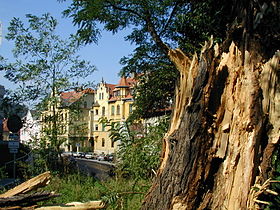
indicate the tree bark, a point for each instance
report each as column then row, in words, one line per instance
column 224, row 128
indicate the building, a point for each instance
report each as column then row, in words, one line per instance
column 114, row 103
column 72, row 117
column 79, row 114
column 30, row 132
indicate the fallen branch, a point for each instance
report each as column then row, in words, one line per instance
column 26, row 199
column 76, row 206
column 32, row 184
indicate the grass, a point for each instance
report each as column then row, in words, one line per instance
column 117, row 193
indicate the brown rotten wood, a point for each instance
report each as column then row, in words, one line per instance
column 225, row 125
column 31, row 184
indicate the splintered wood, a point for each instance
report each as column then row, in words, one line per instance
column 34, row 183
column 183, row 92
column 18, row 197
column 91, row 205
column 225, row 125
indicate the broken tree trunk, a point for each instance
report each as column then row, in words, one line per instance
column 225, row 125
column 32, row 184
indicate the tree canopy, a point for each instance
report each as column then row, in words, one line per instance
column 43, row 61
column 160, row 25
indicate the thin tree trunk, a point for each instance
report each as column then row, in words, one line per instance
column 225, row 125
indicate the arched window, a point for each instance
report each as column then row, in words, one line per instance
column 112, row 143
column 103, row 111
column 113, row 110
column 103, row 142
column 118, row 110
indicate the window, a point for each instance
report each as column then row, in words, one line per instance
column 112, row 143
column 118, row 110
column 96, row 112
column 99, row 96
column 113, row 110
column 130, row 108
column 103, row 111
column 103, row 142
column 96, row 127
column 103, row 127
column 102, row 96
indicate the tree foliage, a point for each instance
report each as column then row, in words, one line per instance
column 151, row 20
column 139, row 148
column 44, row 65
column 160, row 25
column 163, row 25
column 43, row 61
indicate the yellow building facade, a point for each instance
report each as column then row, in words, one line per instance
column 115, row 103
column 72, row 111
column 79, row 114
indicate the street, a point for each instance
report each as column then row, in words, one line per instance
column 101, row 170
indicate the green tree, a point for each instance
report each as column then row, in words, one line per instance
column 44, row 66
column 146, row 18
column 139, row 147
column 156, row 77
column 156, row 27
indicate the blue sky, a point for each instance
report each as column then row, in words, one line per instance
column 105, row 56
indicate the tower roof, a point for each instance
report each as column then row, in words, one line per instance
column 123, row 83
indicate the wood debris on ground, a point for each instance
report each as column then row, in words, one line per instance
column 21, row 197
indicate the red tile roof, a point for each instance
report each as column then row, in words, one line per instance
column 123, row 83
column 126, row 82
column 71, row 96
column 129, row 96
column 88, row 90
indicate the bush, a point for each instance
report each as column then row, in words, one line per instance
column 138, row 156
